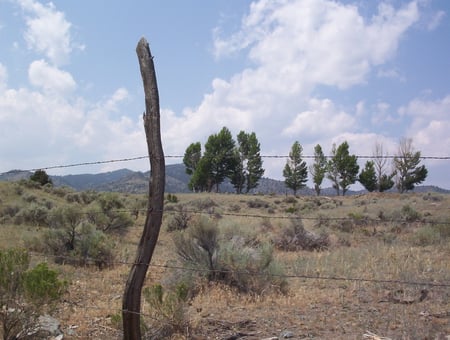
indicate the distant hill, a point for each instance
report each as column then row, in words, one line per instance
column 128, row 181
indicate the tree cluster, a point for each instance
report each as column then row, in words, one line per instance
column 224, row 158
column 342, row 169
column 241, row 163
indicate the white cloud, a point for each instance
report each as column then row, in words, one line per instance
column 3, row 77
column 318, row 41
column 391, row 74
column 50, row 78
column 48, row 31
column 436, row 20
column 321, row 119
column 430, row 125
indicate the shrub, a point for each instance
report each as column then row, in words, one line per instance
column 171, row 198
column 290, row 200
column 24, row 293
column 94, row 246
column 198, row 246
column 426, row 236
column 73, row 197
column 41, row 285
column 204, row 204
column 409, row 214
column 104, row 214
column 257, row 203
column 234, row 261
column 33, row 214
column 295, row 237
column 180, row 220
column 167, row 310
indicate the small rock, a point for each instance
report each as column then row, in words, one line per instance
column 286, row 335
column 49, row 324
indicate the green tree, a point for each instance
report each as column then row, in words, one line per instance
column 318, row 169
column 200, row 180
column 368, row 177
column 332, row 170
column 406, row 164
column 295, row 172
column 192, row 157
column 248, row 170
column 41, row 177
column 343, row 168
column 220, row 156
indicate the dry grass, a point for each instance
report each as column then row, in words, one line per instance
column 321, row 307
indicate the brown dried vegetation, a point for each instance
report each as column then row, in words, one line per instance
column 382, row 252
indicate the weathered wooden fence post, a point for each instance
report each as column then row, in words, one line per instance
column 131, row 304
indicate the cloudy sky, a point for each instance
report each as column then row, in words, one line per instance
column 313, row 71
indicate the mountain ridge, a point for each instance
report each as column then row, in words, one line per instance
column 129, row 181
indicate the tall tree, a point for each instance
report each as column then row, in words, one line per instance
column 368, row 177
column 343, row 168
column 318, row 169
column 295, row 172
column 192, row 157
column 248, row 170
column 380, row 161
column 200, row 180
column 220, row 155
column 41, row 177
column 332, row 170
column 406, row 163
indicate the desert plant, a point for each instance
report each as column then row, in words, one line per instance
column 295, row 237
column 409, row 214
column 180, row 220
column 234, row 260
column 23, row 293
column 94, row 246
column 34, row 214
column 167, row 310
column 172, row 198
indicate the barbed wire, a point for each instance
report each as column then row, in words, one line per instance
column 129, row 159
column 432, row 283
column 293, row 216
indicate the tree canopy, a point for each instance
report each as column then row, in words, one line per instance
column 295, row 171
column 343, row 168
column 408, row 171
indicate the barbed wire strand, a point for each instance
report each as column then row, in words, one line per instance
column 129, row 159
column 285, row 276
column 213, row 212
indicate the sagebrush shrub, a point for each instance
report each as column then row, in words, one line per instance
column 236, row 261
column 295, row 237
column 179, row 220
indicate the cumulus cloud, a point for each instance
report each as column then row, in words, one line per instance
column 48, row 31
column 321, row 119
column 429, row 124
column 3, row 77
column 50, row 78
column 318, row 41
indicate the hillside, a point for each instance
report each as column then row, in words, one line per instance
column 128, row 181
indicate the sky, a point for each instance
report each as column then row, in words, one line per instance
column 313, row 71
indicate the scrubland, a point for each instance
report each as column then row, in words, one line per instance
column 243, row 266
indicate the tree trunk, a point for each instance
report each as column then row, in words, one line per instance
column 131, row 304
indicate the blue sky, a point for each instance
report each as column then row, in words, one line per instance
column 313, row 71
